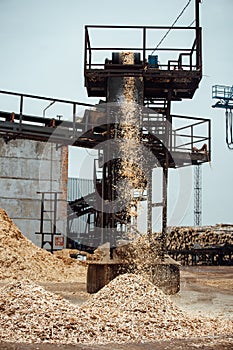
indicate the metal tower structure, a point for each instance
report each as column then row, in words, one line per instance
column 173, row 140
column 197, row 195
column 158, row 83
column 150, row 82
column 224, row 94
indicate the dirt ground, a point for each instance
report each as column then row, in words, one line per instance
column 205, row 290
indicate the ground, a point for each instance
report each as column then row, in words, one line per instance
column 204, row 290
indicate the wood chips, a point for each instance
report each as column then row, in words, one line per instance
column 20, row 259
column 131, row 171
column 128, row 309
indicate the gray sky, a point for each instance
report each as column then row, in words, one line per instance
column 42, row 53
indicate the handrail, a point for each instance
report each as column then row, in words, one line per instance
column 137, row 49
column 135, row 27
column 194, row 139
column 52, row 100
column 189, row 117
column 195, row 48
column 37, row 97
column 196, row 131
column 200, row 139
column 187, row 126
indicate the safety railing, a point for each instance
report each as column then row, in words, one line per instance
column 193, row 137
column 222, row 92
column 186, row 138
column 183, row 133
column 187, row 58
column 39, row 118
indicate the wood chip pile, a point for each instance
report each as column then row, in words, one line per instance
column 20, row 259
column 186, row 237
column 31, row 314
column 128, row 309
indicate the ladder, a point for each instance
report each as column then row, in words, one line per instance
column 52, row 219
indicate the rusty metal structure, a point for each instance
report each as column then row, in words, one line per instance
column 172, row 74
column 160, row 84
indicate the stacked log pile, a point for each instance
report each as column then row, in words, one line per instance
column 180, row 238
column 129, row 309
column 206, row 245
column 20, row 259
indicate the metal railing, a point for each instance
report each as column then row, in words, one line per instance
column 193, row 53
column 222, row 92
column 182, row 139
column 191, row 136
column 194, row 132
column 52, row 100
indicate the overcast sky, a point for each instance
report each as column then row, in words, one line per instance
column 42, row 53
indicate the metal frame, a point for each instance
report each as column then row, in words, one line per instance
column 224, row 94
column 82, row 134
column 184, row 77
column 197, row 195
column 170, row 81
column 195, row 49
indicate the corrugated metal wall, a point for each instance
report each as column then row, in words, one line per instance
column 78, row 188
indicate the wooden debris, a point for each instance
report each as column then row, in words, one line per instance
column 20, row 259
column 132, row 162
column 128, row 309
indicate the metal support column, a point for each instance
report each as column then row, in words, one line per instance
column 165, row 174
column 197, row 195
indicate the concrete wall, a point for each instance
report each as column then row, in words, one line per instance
column 25, row 168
